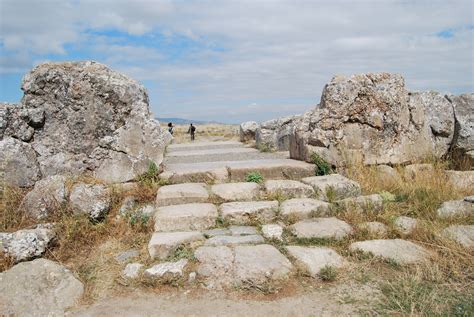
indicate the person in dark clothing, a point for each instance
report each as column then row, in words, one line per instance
column 192, row 130
column 170, row 128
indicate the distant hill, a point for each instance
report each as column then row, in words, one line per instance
column 184, row 121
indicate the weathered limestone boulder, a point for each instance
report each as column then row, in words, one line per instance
column 83, row 116
column 333, row 187
column 19, row 165
column 463, row 141
column 362, row 204
column 373, row 228
column 38, row 288
column 461, row 180
column 388, row 174
column 27, row 244
column 373, row 119
column 398, row 250
column 247, row 131
column 90, row 199
column 47, row 195
column 275, row 134
column 456, row 208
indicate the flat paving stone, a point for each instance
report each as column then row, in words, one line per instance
column 181, row 194
column 245, row 191
column 242, row 230
column 234, row 240
column 186, row 217
column 288, row 188
column 362, row 204
column 398, row 250
column 462, row 234
column 335, row 185
column 215, row 265
column 405, row 224
column 241, row 213
column 312, row 259
column 203, row 146
column 207, row 152
column 456, row 208
column 164, row 244
column 325, row 228
column 303, row 208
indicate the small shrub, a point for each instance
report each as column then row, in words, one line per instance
column 388, row 196
column 254, row 177
column 328, row 273
column 151, row 175
column 331, row 194
column 322, row 166
column 264, row 148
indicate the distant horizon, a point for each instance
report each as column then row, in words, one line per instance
column 235, row 61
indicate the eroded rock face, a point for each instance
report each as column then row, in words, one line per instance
column 247, row 131
column 83, row 116
column 373, row 119
column 275, row 134
column 18, row 163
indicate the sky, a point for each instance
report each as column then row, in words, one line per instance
column 237, row 60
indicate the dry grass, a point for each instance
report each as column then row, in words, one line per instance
column 208, row 132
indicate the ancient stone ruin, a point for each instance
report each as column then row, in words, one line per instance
column 374, row 119
column 79, row 117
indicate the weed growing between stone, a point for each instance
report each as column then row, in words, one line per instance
column 322, row 166
column 254, row 177
column 328, row 273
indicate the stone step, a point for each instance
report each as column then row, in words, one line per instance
column 248, row 266
column 234, row 240
column 203, row 146
column 207, row 152
column 181, row 194
column 323, row 228
column 238, row 154
column 164, row 244
column 242, row 213
column 225, row 171
column 310, row 260
column 185, row 217
column 333, row 187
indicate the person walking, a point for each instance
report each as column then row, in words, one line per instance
column 192, row 130
column 170, row 128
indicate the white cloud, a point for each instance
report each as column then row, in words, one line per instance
column 278, row 53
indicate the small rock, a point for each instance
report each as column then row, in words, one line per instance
column 27, row 244
column 405, row 224
column 272, row 231
column 187, row 217
column 216, row 232
column 463, row 235
column 241, row 213
column 234, row 240
column 179, row 194
column 236, row 191
column 469, row 199
column 374, row 227
column 334, row 187
column 303, row 208
column 288, row 188
column 93, row 200
column 167, row 271
column 242, row 230
column 455, row 208
column 192, row 277
column 312, row 259
column 362, row 203
column 163, row 244
column 398, row 250
column 132, row 270
column 40, row 287
column 123, row 257
column 325, row 228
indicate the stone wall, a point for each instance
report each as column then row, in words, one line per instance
column 78, row 117
column 374, row 119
